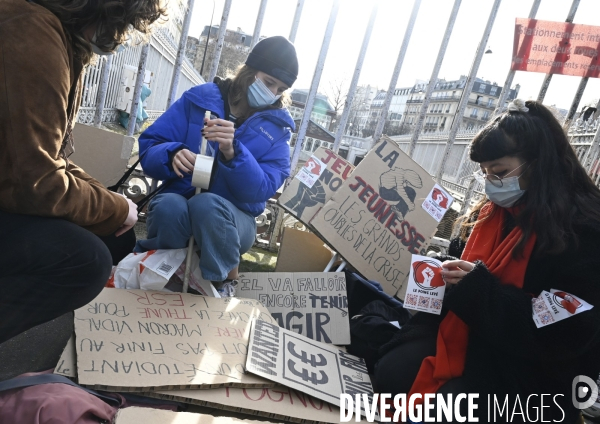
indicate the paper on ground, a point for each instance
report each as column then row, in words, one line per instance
column 555, row 306
column 135, row 339
column 426, row 288
column 305, row 365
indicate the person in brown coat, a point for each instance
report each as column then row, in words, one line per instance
column 51, row 211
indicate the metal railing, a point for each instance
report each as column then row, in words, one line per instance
column 161, row 59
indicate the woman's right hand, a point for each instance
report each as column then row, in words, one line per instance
column 131, row 219
column 183, row 162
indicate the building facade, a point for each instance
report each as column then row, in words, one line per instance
column 445, row 99
column 322, row 114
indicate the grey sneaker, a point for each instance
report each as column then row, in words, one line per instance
column 226, row 288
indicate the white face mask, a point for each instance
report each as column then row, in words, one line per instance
column 504, row 192
column 260, row 96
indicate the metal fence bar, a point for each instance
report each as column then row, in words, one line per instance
column 575, row 102
column 259, row 21
column 352, row 89
column 180, row 54
column 390, row 93
column 137, row 92
column 467, row 89
column 434, row 77
column 296, row 20
column 511, row 73
column 310, row 100
column 101, row 98
column 548, row 77
column 220, row 39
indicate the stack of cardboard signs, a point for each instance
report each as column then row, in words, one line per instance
column 376, row 216
column 195, row 349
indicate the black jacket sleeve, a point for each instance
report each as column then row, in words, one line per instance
column 501, row 314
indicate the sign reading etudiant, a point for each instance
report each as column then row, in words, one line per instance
column 136, row 339
column 376, row 220
column 313, row 304
column 310, row 367
column 556, row 48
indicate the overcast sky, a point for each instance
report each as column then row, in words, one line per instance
column 425, row 42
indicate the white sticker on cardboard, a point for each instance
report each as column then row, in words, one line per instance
column 557, row 305
column 311, row 171
column 426, row 288
column 437, row 202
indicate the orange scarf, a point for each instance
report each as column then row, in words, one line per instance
column 487, row 245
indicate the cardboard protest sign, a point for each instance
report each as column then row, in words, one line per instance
column 67, row 364
column 280, row 403
column 302, row 251
column 555, row 306
column 375, row 220
column 136, row 339
column 311, row 367
column 315, row 183
column 437, row 202
column 313, row 304
column 426, row 288
column 135, row 415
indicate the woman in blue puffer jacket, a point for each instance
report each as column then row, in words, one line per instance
column 249, row 139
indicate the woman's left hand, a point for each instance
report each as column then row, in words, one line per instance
column 222, row 132
column 454, row 271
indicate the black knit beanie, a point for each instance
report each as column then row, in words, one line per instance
column 275, row 56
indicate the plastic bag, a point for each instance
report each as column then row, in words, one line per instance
column 147, row 271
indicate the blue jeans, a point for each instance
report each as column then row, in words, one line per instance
column 222, row 231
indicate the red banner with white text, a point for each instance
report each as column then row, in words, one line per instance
column 556, row 48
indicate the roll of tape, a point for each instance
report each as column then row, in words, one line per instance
column 202, row 171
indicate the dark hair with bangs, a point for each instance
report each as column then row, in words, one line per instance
column 560, row 193
column 115, row 19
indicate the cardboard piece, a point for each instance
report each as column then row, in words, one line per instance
column 302, row 251
column 281, row 403
column 303, row 199
column 102, row 154
column 135, row 415
column 375, row 220
column 426, row 287
column 134, row 340
column 314, row 304
column 311, row 367
column 67, row 364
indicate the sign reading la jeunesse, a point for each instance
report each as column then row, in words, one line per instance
column 376, row 220
column 313, row 304
column 314, row 368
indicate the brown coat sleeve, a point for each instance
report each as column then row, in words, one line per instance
column 34, row 90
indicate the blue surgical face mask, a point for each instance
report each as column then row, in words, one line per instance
column 259, row 96
column 505, row 195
